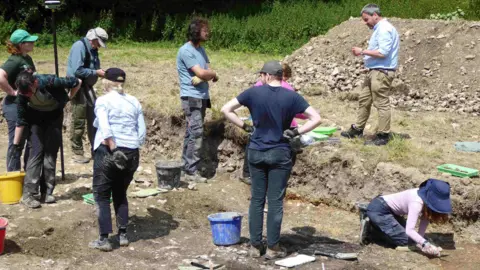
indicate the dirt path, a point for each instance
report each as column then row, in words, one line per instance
column 171, row 229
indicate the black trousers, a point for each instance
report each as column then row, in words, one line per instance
column 45, row 139
column 111, row 181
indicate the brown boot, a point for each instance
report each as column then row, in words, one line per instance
column 77, row 158
column 275, row 252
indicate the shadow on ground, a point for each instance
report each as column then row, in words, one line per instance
column 156, row 224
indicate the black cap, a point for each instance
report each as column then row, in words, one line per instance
column 272, row 68
column 115, row 75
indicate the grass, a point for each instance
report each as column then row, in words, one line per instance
column 433, row 137
column 152, row 78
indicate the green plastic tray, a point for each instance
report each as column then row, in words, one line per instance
column 88, row 198
column 318, row 136
column 457, row 170
column 325, row 130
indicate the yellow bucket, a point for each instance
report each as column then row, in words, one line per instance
column 11, row 187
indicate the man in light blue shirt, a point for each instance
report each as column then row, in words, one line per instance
column 381, row 59
column 194, row 72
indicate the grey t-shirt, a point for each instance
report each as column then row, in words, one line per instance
column 188, row 56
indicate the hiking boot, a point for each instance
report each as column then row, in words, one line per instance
column 122, row 239
column 276, row 252
column 246, row 179
column 353, row 132
column 103, row 245
column 29, row 201
column 77, row 158
column 364, row 230
column 195, row 177
column 380, row 139
column 49, row 199
column 256, row 251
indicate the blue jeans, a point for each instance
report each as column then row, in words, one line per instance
column 246, row 170
column 111, row 181
column 382, row 217
column 269, row 171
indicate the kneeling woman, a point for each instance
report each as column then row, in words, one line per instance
column 431, row 202
column 121, row 132
column 40, row 106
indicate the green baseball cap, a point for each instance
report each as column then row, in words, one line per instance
column 20, row 36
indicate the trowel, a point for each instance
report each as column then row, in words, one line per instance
column 339, row 255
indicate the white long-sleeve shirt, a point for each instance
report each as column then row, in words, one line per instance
column 120, row 117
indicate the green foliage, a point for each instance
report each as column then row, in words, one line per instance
column 6, row 28
column 106, row 20
column 455, row 15
column 474, row 8
column 268, row 26
column 284, row 26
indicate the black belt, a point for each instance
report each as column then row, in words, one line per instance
column 383, row 70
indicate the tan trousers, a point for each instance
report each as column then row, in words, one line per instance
column 376, row 90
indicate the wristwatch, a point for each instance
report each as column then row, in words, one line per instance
column 425, row 243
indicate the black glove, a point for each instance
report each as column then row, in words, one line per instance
column 249, row 129
column 117, row 159
column 289, row 134
column 14, row 150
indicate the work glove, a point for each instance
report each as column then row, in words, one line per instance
column 215, row 79
column 289, row 134
column 249, row 129
column 14, row 150
column 196, row 81
column 117, row 159
column 430, row 249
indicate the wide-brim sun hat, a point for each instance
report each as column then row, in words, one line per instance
column 436, row 195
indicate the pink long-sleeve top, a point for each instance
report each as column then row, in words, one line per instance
column 410, row 204
column 286, row 85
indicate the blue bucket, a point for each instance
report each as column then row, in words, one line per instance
column 226, row 228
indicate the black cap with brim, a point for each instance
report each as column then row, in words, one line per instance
column 272, row 68
column 115, row 75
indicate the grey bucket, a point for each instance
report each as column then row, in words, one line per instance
column 168, row 174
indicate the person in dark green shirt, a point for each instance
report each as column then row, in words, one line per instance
column 40, row 103
column 19, row 45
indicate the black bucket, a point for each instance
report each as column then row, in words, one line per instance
column 168, row 174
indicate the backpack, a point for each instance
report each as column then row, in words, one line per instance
column 86, row 61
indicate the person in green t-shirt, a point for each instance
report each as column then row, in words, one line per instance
column 19, row 45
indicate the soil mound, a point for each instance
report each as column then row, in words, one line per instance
column 438, row 64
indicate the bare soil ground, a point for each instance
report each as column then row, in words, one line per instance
column 326, row 182
column 171, row 229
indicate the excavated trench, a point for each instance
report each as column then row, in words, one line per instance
column 323, row 174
